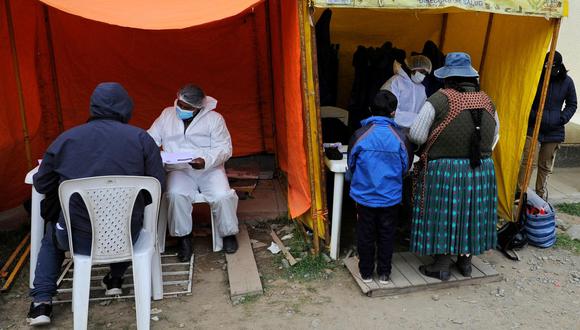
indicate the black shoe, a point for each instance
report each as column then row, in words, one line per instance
column 384, row 279
column 185, row 249
column 230, row 244
column 367, row 279
column 39, row 315
column 439, row 269
column 113, row 285
column 464, row 265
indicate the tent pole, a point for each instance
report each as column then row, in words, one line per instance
column 306, row 114
column 53, row 69
column 16, row 68
column 323, row 215
column 258, row 79
column 443, row 31
column 486, row 43
column 534, row 143
column 269, row 44
column 312, row 120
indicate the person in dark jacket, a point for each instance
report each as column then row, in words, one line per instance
column 559, row 108
column 377, row 162
column 105, row 145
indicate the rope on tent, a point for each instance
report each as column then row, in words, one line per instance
column 16, row 68
column 53, row 70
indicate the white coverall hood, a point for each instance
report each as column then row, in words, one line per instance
column 410, row 96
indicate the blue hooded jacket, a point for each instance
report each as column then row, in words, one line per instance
column 377, row 162
column 105, row 145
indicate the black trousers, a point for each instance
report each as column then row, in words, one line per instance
column 375, row 227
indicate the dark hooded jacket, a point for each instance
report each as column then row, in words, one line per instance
column 105, row 145
column 560, row 105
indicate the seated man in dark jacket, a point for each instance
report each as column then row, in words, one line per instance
column 105, row 145
column 560, row 106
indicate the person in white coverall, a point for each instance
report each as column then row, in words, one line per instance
column 192, row 125
column 407, row 86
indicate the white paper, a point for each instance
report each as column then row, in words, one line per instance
column 274, row 248
column 178, row 157
column 286, row 237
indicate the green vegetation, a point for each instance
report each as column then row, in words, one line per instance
column 565, row 242
column 310, row 268
column 570, row 208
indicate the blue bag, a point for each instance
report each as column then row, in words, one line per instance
column 540, row 226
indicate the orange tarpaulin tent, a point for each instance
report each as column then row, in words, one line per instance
column 245, row 53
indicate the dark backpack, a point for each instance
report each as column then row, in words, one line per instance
column 512, row 236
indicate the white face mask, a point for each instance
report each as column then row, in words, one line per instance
column 417, row 77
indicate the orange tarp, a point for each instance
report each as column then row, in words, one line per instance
column 253, row 71
column 153, row 14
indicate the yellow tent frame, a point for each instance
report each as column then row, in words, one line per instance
column 508, row 47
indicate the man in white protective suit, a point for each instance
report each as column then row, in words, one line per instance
column 192, row 126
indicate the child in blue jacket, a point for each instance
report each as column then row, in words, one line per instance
column 377, row 162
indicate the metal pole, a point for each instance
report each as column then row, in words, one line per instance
column 443, row 31
column 534, row 143
column 16, row 68
column 486, row 44
column 54, row 77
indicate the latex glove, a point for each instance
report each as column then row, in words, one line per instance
column 198, row 163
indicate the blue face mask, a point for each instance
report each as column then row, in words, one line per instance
column 183, row 114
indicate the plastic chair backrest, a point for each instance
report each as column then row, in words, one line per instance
column 109, row 201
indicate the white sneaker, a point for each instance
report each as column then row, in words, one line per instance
column 367, row 279
column 384, row 279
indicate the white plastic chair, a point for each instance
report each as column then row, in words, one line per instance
column 162, row 230
column 109, row 201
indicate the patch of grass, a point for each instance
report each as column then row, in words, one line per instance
column 570, row 208
column 297, row 244
column 247, row 299
column 310, row 268
column 565, row 242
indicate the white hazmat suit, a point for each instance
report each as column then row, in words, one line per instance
column 207, row 136
column 410, row 96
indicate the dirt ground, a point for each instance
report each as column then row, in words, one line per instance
column 542, row 291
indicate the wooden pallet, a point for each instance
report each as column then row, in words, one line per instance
column 405, row 276
column 242, row 269
column 177, row 280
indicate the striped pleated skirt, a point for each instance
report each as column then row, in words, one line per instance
column 457, row 212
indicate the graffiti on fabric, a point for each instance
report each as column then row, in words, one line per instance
column 547, row 8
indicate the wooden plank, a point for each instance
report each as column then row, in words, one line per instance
column 352, row 266
column 283, row 248
column 485, row 268
column 414, row 262
column 242, row 269
column 401, row 285
column 407, row 271
column 435, row 286
column 428, row 259
column 398, row 279
column 475, row 273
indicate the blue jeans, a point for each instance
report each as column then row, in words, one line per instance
column 50, row 258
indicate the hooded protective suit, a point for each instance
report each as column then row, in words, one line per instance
column 411, row 97
column 208, row 137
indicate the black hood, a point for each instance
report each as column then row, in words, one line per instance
column 559, row 71
column 111, row 100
